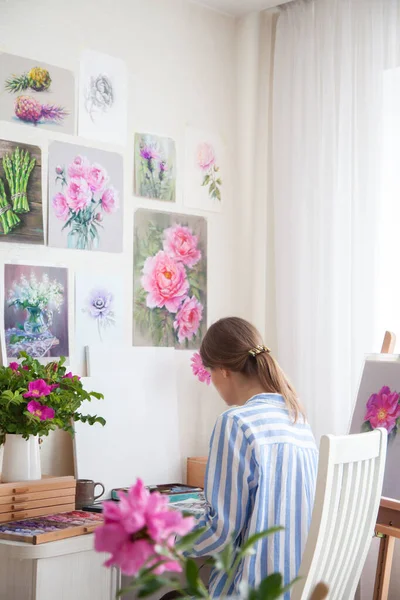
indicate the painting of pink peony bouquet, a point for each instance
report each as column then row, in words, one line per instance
column 85, row 198
column 155, row 167
column 36, row 94
column 170, row 279
column 378, row 405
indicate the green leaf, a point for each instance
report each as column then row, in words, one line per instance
column 271, row 587
column 365, row 427
column 252, row 540
column 187, row 542
column 224, row 560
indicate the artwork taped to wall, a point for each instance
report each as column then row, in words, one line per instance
column 204, row 171
column 85, row 198
column 36, row 94
column 103, row 98
column 170, row 279
column 100, row 311
column 378, row 405
column 155, row 167
column 21, row 214
column 36, row 311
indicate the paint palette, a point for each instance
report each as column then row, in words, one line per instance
column 51, row 527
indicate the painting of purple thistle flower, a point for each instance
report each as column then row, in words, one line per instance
column 155, row 167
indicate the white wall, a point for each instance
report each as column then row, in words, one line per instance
column 181, row 62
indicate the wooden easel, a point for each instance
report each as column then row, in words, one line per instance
column 388, row 521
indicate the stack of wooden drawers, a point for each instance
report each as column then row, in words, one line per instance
column 196, row 471
column 26, row 499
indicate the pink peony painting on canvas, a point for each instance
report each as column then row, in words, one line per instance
column 85, row 198
column 170, row 279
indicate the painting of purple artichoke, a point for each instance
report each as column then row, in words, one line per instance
column 170, row 279
column 100, row 310
column 36, row 94
column 85, row 187
column 155, row 167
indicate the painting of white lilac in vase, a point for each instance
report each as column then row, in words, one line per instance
column 205, row 183
column 170, row 279
column 100, row 311
column 155, row 167
column 85, row 198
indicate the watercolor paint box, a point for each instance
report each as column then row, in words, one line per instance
column 25, row 499
column 50, row 528
column 176, row 492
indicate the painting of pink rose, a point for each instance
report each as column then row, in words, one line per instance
column 383, row 409
column 170, row 279
column 85, row 196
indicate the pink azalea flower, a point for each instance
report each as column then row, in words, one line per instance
column 205, row 156
column 134, row 526
column 181, row 244
column 60, row 206
column 39, row 410
column 165, row 282
column 79, row 195
column 70, row 376
column 383, row 409
column 199, row 370
column 188, row 319
column 78, row 167
column 97, row 178
column 109, row 200
column 37, row 389
column 14, row 366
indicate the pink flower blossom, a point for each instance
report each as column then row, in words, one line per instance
column 78, row 194
column 181, row 244
column 205, row 156
column 97, row 178
column 109, row 200
column 60, row 206
column 37, row 389
column 134, row 526
column 165, row 282
column 14, row 366
column 39, row 410
column 199, row 370
column 188, row 319
column 383, row 409
column 78, row 167
column 70, row 376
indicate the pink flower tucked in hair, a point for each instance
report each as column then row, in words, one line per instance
column 188, row 319
column 134, row 526
column 79, row 195
column 60, row 206
column 165, row 282
column 43, row 412
column 37, row 389
column 14, row 366
column 199, row 370
column 205, row 156
column 109, row 200
column 78, row 167
column 97, row 178
column 383, row 409
column 181, row 244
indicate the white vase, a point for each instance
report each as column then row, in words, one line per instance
column 21, row 459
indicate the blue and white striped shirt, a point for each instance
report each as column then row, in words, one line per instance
column 261, row 472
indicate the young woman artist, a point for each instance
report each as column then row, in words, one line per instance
column 262, row 463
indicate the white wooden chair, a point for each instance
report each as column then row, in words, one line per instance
column 349, row 486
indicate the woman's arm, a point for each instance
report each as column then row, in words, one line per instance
column 231, row 477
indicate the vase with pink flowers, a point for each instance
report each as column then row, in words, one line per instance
column 85, row 199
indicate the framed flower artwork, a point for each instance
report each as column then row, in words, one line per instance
column 378, row 405
column 170, row 279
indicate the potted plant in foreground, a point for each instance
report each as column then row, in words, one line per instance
column 34, row 400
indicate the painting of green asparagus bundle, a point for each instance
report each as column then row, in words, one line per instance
column 21, row 218
column 18, row 167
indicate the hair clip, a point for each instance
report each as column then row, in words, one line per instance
column 259, row 350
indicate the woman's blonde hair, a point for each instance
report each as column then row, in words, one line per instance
column 230, row 344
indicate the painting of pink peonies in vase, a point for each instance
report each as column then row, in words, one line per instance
column 85, row 198
column 378, row 405
column 170, row 279
column 205, row 183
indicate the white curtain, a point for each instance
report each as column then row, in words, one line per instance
column 327, row 124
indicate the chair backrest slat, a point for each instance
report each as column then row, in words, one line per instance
column 349, row 486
